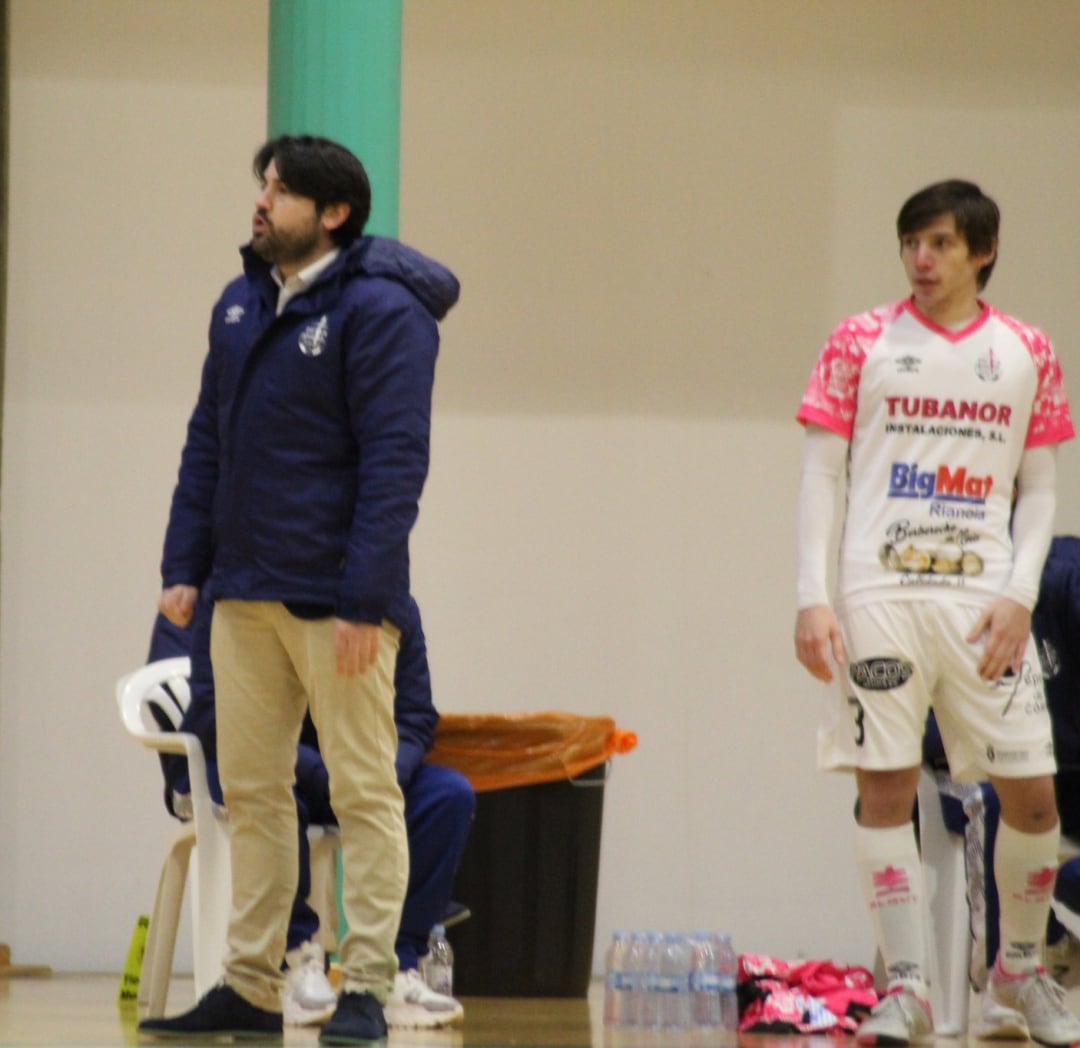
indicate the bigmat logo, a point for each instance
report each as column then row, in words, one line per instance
column 907, row 481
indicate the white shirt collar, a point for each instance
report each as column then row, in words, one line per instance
column 302, row 280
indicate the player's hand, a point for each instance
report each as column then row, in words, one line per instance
column 817, row 637
column 177, row 604
column 356, row 645
column 1004, row 627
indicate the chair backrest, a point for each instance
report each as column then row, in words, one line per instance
column 152, row 701
column 153, row 698
column 168, row 702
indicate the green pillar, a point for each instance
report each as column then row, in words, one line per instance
column 335, row 70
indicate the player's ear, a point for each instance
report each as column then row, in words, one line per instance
column 333, row 215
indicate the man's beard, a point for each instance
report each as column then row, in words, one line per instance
column 281, row 248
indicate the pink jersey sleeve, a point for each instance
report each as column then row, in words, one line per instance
column 833, row 390
column 1051, row 421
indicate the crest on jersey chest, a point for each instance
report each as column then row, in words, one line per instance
column 988, row 366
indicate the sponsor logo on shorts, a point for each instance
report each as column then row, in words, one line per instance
column 997, row 756
column 881, row 673
column 1030, row 678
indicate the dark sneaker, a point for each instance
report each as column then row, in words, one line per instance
column 220, row 1013
column 358, row 1019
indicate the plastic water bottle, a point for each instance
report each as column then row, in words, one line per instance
column 727, row 969
column 618, row 983
column 637, row 965
column 705, row 982
column 650, row 981
column 439, row 963
column 674, row 983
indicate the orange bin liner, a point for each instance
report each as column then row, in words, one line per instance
column 496, row 751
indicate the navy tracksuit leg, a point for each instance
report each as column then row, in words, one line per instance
column 439, row 807
column 303, row 921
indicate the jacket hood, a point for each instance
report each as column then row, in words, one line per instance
column 436, row 287
column 432, row 283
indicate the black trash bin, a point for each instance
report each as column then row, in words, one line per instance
column 530, row 868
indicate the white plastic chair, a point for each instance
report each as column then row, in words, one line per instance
column 950, row 935
column 163, row 685
column 211, row 880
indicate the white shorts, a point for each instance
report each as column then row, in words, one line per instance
column 904, row 657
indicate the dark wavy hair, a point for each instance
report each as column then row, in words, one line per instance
column 324, row 171
column 977, row 216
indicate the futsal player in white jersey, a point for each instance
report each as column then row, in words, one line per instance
column 940, row 417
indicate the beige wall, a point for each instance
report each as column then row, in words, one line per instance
column 657, row 209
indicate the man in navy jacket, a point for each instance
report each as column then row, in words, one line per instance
column 299, row 484
column 439, row 806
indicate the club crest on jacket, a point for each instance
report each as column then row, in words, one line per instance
column 313, row 338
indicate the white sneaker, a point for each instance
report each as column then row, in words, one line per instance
column 413, row 1005
column 1033, row 1006
column 309, row 998
column 1063, row 961
column 899, row 1018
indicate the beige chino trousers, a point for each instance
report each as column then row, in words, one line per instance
column 269, row 666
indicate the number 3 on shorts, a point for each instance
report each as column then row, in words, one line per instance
column 860, row 715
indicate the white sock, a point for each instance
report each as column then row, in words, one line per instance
column 1025, row 866
column 890, row 874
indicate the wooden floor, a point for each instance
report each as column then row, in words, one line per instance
column 83, row 1010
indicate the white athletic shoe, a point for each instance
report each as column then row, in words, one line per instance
column 1063, row 961
column 1033, row 1006
column 309, row 998
column 413, row 1005
column 899, row 1018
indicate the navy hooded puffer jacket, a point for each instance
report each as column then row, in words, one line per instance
column 308, row 447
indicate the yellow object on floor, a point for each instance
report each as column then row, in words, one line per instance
column 129, row 980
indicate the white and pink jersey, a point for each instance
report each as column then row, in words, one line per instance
column 937, row 421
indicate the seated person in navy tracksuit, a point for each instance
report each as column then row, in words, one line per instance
column 975, row 812
column 439, row 806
